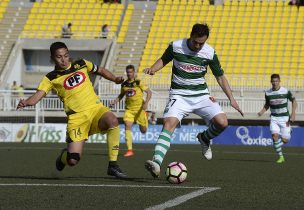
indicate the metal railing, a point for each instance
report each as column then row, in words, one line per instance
column 10, row 99
column 162, row 81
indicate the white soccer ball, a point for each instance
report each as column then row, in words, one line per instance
column 176, row 173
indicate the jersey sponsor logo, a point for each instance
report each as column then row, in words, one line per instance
column 76, row 66
column 74, row 80
column 131, row 92
column 277, row 101
column 191, row 68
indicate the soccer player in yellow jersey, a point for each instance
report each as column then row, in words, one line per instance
column 136, row 106
column 85, row 112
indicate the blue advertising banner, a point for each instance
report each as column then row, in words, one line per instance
column 233, row 135
column 183, row 135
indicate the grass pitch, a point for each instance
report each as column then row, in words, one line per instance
column 245, row 178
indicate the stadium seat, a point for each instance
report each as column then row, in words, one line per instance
column 62, row 11
column 250, row 31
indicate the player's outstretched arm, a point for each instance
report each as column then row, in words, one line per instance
column 158, row 65
column 119, row 97
column 32, row 100
column 109, row 76
column 148, row 98
column 293, row 110
column 265, row 108
column 222, row 81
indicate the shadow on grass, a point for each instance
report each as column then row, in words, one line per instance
column 80, row 178
column 96, row 154
column 102, row 154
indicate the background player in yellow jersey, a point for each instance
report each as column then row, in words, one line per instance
column 85, row 112
column 136, row 106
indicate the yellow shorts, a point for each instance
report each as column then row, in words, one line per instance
column 138, row 116
column 83, row 124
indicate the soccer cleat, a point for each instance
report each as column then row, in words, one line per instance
column 129, row 153
column 59, row 165
column 114, row 170
column 205, row 144
column 153, row 168
column 281, row 159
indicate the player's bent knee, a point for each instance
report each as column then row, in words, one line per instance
column 109, row 120
column 73, row 158
column 143, row 130
column 275, row 137
column 222, row 123
column 285, row 140
column 112, row 121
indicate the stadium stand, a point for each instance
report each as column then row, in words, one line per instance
column 132, row 37
column 46, row 18
column 12, row 19
column 125, row 23
column 3, row 6
column 253, row 39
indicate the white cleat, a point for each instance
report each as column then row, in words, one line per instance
column 206, row 149
column 153, row 168
column 208, row 153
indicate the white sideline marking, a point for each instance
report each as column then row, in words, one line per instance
column 181, row 199
column 97, row 185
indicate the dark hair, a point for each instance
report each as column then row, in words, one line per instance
column 104, row 26
column 70, row 24
column 57, row 45
column 273, row 76
column 130, row 67
column 199, row 30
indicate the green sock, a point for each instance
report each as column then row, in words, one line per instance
column 278, row 146
column 162, row 146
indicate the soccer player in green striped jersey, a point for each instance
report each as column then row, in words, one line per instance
column 189, row 92
column 277, row 100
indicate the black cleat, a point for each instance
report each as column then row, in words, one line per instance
column 59, row 165
column 114, row 170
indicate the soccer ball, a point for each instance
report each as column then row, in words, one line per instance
column 176, row 173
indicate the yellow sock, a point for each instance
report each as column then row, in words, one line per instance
column 129, row 139
column 113, row 137
column 64, row 157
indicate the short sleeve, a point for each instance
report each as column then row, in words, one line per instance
column 91, row 66
column 290, row 96
column 143, row 86
column 45, row 85
column 267, row 100
column 168, row 54
column 215, row 66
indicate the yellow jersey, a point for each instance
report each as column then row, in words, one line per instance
column 134, row 94
column 73, row 86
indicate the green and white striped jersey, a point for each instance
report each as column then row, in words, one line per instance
column 189, row 68
column 277, row 100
